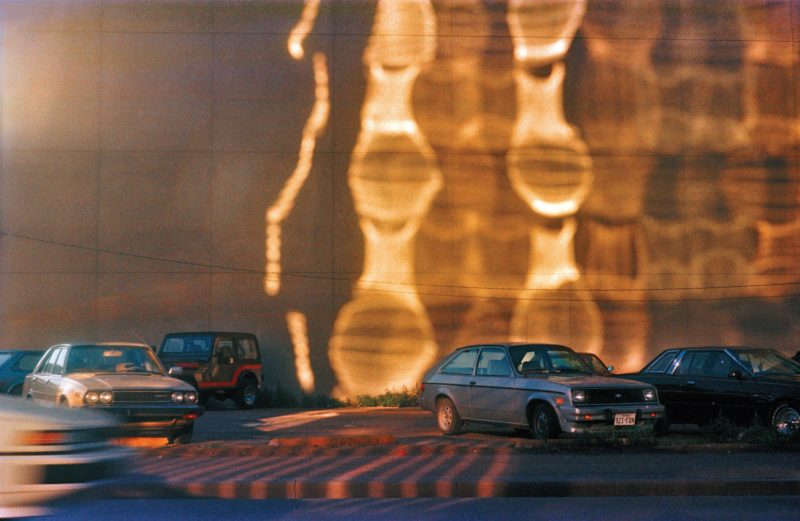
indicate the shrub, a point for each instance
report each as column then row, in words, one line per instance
column 390, row 398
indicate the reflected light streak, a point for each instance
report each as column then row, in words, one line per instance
column 291, row 420
column 383, row 339
column 278, row 212
column 298, row 330
column 302, row 29
column 542, row 30
column 543, row 314
column 548, row 164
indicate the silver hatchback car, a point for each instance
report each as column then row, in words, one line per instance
column 542, row 387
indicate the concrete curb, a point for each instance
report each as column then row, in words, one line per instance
column 341, row 489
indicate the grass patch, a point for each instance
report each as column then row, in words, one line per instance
column 389, row 398
column 639, row 437
column 723, row 430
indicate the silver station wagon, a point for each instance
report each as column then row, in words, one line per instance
column 124, row 379
column 542, row 387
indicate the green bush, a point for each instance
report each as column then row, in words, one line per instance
column 617, row 438
column 390, row 398
column 723, row 430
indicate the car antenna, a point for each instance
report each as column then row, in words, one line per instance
column 138, row 337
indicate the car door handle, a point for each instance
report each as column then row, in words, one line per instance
column 472, row 382
column 690, row 382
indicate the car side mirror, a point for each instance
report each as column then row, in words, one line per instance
column 175, row 371
column 610, row 368
column 736, row 374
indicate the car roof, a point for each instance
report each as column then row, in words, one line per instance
column 512, row 344
column 103, row 344
column 732, row 348
column 181, row 333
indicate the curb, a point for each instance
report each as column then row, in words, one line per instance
column 358, row 489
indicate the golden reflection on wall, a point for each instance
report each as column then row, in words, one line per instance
column 486, row 215
column 383, row 337
column 551, row 170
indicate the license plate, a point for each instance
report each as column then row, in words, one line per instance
column 625, row 418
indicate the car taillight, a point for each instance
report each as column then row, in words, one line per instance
column 39, row 438
column 422, row 387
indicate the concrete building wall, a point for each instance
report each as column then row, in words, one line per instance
column 144, row 143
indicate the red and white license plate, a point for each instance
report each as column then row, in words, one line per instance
column 625, row 418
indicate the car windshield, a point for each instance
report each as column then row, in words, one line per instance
column 112, row 359
column 763, row 362
column 187, row 345
column 547, row 359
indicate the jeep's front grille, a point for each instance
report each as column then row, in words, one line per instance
column 613, row 396
column 142, row 397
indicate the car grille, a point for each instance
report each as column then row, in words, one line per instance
column 613, row 396
column 142, row 397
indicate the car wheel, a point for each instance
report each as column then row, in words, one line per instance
column 661, row 426
column 183, row 435
column 246, row 395
column 447, row 417
column 544, row 424
column 786, row 419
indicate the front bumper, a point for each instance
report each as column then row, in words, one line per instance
column 151, row 420
column 597, row 418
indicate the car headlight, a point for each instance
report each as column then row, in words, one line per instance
column 649, row 395
column 578, row 396
column 190, row 397
column 178, row 397
column 91, row 397
column 106, row 397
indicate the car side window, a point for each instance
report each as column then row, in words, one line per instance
column 463, row 363
column 493, row 362
column 721, row 366
column 28, row 362
column 47, row 365
column 58, row 362
column 662, row 363
column 224, row 349
column 697, row 363
column 246, row 349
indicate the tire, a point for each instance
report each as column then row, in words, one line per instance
column 786, row 419
column 182, row 436
column 246, row 394
column 447, row 417
column 544, row 423
column 661, row 426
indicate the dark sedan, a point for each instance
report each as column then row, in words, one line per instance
column 14, row 365
column 742, row 384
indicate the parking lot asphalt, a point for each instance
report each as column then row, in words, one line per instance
column 388, row 453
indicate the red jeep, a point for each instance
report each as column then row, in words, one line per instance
column 219, row 364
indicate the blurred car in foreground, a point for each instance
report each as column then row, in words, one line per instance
column 700, row 384
column 125, row 379
column 542, row 387
column 14, row 365
column 596, row 365
column 46, row 452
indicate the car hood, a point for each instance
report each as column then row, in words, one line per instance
column 117, row 381
column 585, row 380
